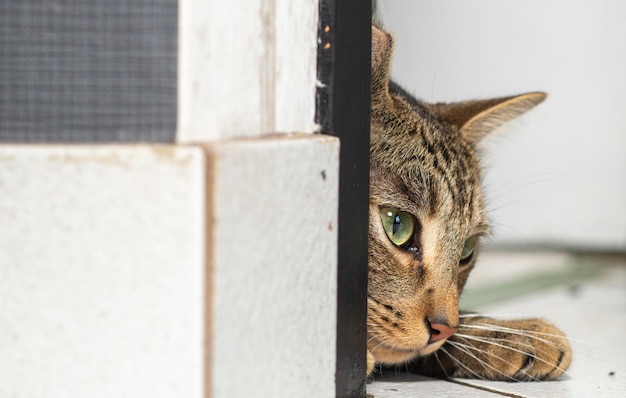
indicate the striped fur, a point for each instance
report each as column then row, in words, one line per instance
column 424, row 161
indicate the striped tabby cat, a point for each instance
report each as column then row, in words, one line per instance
column 427, row 217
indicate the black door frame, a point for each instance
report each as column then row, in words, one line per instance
column 343, row 110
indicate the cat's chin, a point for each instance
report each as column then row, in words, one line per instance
column 430, row 348
column 394, row 355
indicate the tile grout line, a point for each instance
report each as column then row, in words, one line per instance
column 476, row 387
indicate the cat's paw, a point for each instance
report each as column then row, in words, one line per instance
column 484, row 348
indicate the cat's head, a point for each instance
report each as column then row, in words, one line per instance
column 427, row 210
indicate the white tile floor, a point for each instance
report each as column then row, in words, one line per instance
column 585, row 296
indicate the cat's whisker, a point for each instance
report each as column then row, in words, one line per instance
column 527, row 333
column 440, row 364
column 578, row 352
column 514, row 185
column 510, row 232
column 495, row 340
column 443, row 349
column 524, row 372
column 370, row 339
column 466, row 348
column 469, row 344
column 491, row 340
column 471, row 315
column 588, row 356
column 380, row 343
column 432, row 88
column 488, row 341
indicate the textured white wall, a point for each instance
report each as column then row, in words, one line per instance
column 102, row 271
column 169, row 271
column 558, row 175
column 274, row 261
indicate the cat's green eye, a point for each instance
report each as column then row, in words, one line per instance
column 399, row 225
column 468, row 249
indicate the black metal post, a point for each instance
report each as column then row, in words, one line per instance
column 343, row 109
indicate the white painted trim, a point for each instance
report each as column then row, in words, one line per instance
column 246, row 68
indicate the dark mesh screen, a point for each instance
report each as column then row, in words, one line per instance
column 88, row 71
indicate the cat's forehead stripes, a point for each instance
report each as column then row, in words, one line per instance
column 392, row 191
column 451, row 164
column 433, row 161
column 451, row 159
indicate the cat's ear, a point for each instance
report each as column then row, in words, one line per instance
column 476, row 119
column 382, row 48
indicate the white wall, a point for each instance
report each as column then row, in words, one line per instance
column 169, row 270
column 102, row 271
column 206, row 268
column 558, row 175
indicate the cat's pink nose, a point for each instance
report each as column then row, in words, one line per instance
column 440, row 331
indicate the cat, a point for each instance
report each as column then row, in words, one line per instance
column 427, row 219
